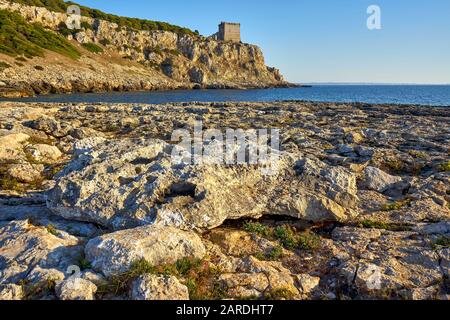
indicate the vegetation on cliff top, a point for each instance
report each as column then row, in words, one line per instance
column 18, row 37
column 133, row 23
column 92, row 47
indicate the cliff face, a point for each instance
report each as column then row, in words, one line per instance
column 133, row 60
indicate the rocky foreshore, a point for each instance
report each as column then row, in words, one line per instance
column 91, row 206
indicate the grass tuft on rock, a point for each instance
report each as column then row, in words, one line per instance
column 397, row 205
column 286, row 235
column 372, row 224
column 52, row 229
column 279, row 294
column 444, row 167
column 442, row 242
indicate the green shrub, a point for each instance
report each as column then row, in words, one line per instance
column 442, row 242
column 258, row 228
column 86, row 25
column 105, row 42
column 444, row 167
column 9, row 183
column 279, row 294
column 18, row 37
column 397, row 205
column 62, row 29
column 417, row 154
column 84, row 264
column 92, row 47
column 275, row 254
column 157, row 50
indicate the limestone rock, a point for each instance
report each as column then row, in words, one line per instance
column 152, row 287
column 11, row 147
column 50, row 126
column 44, row 153
column 244, row 285
column 27, row 173
column 307, row 283
column 444, row 255
column 114, row 253
column 127, row 183
column 279, row 277
column 76, row 289
column 24, row 246
column 11, row 292
column 84, row 133
column 378, row 180
column 370, row 265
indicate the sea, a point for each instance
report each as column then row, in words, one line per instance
column 427, row 95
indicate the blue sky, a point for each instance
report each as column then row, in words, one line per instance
column 322, row 40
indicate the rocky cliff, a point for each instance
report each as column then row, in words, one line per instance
column 117, row 58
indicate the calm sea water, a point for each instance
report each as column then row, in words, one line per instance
column 438, row 95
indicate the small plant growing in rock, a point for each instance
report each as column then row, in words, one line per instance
column 442, row 242
column 396, row 165
column 275, row 254
column 86, row 25
column 371, row 224
column 417, row 154
column 288, row 236
column 105, row 42
column 10, row 183
column 397, row 205
column 258, row 228
column 279, row 294
column 119, row 284
column 52, row 229
column 84, row 264
column 444, row 167
column 198, row 275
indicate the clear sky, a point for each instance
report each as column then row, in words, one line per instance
column 322, row 40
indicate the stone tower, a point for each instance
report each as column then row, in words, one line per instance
column 229, row 32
